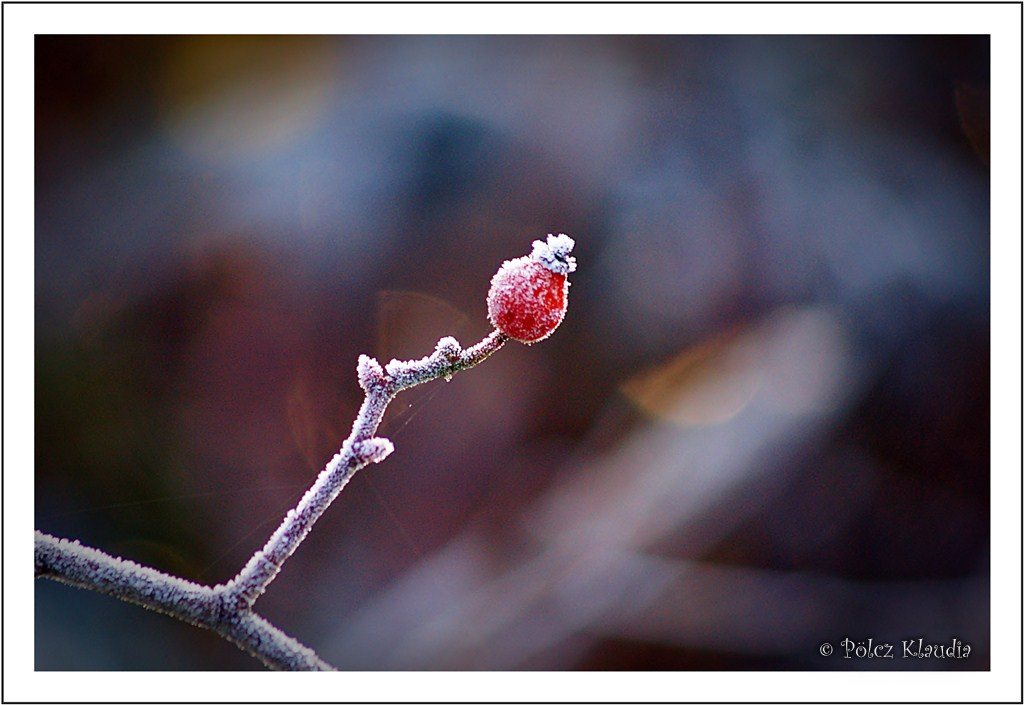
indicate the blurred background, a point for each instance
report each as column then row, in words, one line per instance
column 763, row 424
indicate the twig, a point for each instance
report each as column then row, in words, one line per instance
column 227, row 609
column 359, row 449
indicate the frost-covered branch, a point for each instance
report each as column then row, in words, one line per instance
column 360, row 449
column 527, row 301
column 227, row 609
column 82, row 566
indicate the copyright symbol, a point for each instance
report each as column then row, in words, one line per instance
column 825, row 649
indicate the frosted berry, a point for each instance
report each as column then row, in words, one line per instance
column 529, row 295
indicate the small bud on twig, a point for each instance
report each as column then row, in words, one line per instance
column 449, row 349
column 370, row 374
column 373, row 450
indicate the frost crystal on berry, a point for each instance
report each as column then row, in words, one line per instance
column 554, row 254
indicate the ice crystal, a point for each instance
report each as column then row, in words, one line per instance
column 554, row 254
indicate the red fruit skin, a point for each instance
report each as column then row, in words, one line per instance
column 527, row 301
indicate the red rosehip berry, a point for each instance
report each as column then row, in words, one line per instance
column 529, row 295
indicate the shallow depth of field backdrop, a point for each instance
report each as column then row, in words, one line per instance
column 763, row 425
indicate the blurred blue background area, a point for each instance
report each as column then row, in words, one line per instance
column 763, row 424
